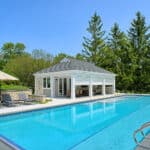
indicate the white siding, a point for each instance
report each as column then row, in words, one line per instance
column 95, row 79
column 38, row 85
column 47, row 92
column 80, row 78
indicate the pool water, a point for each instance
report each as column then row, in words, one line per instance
column 99, row 125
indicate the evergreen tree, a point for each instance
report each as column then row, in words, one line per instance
column 93, row 45
column 117, row 42
column 139, row 37
column 122, row 58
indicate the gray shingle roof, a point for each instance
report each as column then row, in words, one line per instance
column 74, row 64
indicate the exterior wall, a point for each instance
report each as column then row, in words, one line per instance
column 47, row 92
column 14, row 94
column 92, row 78
column 38, row 85
column 39, row 90
column 109, row 80
column 77, row 78
column 82, row 78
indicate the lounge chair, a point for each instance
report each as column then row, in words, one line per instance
column 23, row 97
column 144, row 143
column 7, row 100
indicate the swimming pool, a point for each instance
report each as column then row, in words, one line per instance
column 99, row 125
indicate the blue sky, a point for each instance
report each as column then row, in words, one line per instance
column 59, row 25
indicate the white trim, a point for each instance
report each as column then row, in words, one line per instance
column 52, row 86
column 104, row 88
column 73, row 87
column 35, row 85
column 82, row 83
column 91, row 87
column 72, row 72
column 68, row 85
column 114, row 87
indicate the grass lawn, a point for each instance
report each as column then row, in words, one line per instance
column 13, row 87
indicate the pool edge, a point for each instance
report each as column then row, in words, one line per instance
column 65, row 104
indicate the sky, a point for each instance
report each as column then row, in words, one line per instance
column 59, row 25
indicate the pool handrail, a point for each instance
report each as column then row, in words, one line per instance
column 145, row 125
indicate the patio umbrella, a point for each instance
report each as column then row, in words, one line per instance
column 4, row 77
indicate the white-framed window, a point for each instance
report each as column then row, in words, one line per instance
column 46, row 82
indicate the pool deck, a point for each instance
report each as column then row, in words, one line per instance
column 3, row 146
column 145, row 143
column 6, row 145
column 54, row 103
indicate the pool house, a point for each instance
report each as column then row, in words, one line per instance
column 74, row 78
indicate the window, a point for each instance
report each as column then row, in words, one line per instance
column 46, row 83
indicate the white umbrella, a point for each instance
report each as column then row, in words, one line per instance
column 4, row 77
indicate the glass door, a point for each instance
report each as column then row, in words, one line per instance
column 62, row 87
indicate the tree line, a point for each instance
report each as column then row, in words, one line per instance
column 15, row 60
column 127, row 54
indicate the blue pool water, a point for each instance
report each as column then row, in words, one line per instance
column 92, row 126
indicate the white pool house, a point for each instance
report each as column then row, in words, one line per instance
column 74, row 78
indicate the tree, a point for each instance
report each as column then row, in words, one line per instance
column 24, row 67
column 93, row 45
column 122, row 58
column 2, row 62
column 10, row 50
column 139, row 34
column 19, row 49
column 39, row 54
column 79, row 56
column 7, row 50
column 59, row 57
column 139, row 37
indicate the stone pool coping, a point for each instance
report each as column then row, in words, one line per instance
column 57, row 102
column 6, row 144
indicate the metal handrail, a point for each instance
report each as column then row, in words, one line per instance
column 145, row 125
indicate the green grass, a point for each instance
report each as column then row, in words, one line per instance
column 13, row 87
